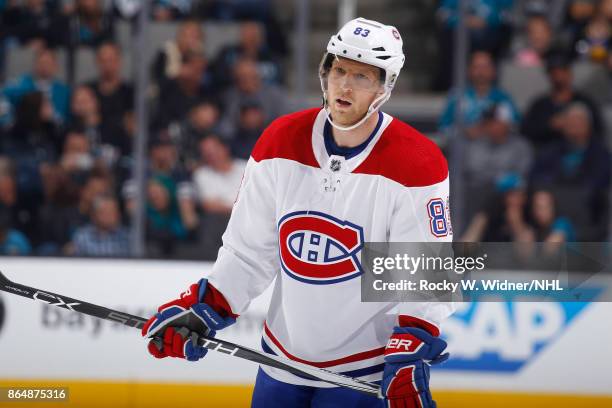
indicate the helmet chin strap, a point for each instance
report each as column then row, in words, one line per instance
column 376, row 103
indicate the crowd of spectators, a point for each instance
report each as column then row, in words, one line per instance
column 526, row 31
column 537, row 176
column 543, row 173
column 66, row 163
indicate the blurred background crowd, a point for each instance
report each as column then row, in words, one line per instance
column 529, row 144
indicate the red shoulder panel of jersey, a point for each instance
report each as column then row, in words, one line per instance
column 404, row 155
column 288, row 137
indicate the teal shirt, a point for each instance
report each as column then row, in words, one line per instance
column 475, row 105
column 57, row 92
column 492, row 11
column 15, row 243
column 564, row 226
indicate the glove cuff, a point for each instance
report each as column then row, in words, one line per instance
column 215, row 299
column 411, row 321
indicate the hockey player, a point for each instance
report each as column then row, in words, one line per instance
column 320, row 183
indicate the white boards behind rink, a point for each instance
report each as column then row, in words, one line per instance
column 512, row 347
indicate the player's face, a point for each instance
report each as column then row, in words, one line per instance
column 351, row 88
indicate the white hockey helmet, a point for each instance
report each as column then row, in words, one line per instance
column 369, row 42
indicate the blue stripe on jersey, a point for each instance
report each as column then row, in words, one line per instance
column 347, row 152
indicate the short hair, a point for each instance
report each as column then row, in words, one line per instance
column 112, row 44
column 213, row 136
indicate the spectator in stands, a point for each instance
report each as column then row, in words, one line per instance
column 106, row 138
column 250, row 88
column 498, row 153
column 488, row 28
column 546, row 225
column 217, row 183
column 180, row 95
column 60, row 213
column 77, row 158
column 579, row 163
column 595, row 42
column 504, row 218
column 21, row 207
column 543, row 122
column 578, row 158
column 480, row 95
column 115, row 96
column 538, row 43
column 85, row 112
column 171, row 211
column 200, row 121
column 104, row 236
column 34, row 136
column 164, row 222
column 12, row 241
column 42, row 79
column 547, row 232
column 168, row 62
column 31, row 23
column 252, row 46
column 250, row 127
column 579, row 13
column 89, row 25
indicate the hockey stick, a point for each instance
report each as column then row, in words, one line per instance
column 211, row 343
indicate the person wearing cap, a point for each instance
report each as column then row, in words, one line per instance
column 500, row 151
column 543, row 122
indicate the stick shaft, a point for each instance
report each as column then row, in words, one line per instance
column 211, row 343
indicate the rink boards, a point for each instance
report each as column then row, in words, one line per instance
column 502, row 353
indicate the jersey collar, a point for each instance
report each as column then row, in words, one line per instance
column 325, row 148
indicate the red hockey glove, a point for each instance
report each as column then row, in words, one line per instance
column 409, row 353
column 175, row 329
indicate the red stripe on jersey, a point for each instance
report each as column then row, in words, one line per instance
column 404, row 155
column 364, row 355
column 288, row 137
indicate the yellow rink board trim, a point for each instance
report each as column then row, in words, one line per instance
column 96, row 394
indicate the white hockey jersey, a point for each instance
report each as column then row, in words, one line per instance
column 302, row 217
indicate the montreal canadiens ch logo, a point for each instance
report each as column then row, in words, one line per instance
column 319, row 249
